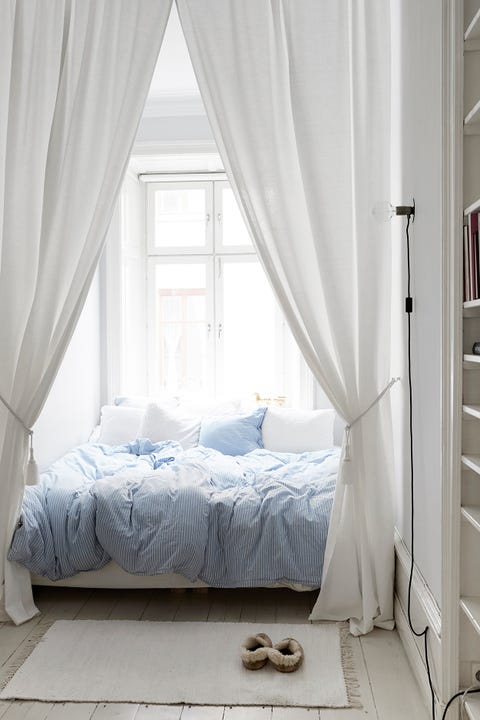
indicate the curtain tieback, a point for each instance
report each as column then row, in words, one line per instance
column 31, row 477
column 348, row 428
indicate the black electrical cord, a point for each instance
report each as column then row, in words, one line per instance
column 409, row 310
column 454, row 697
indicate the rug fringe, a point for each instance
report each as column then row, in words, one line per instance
column 15, row 662
column 352, row 685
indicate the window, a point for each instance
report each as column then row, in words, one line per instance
column 213, row 325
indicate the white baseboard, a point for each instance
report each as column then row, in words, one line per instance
column 424, row 612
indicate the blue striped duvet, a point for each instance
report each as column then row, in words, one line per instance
column 154, row 508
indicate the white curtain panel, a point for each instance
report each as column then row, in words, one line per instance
column 74, row 75
column 297, row 94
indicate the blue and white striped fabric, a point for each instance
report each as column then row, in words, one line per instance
column 154, row 508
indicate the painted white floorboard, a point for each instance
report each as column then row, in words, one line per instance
column 389, row 674
column 247, row 713
column 18, row 710
column 195, row 712
column 4, row 705
column 11, row 637
column 115, row 711
column 159, row 712
column 39, row 711
column 291, row 713
column 72, row 711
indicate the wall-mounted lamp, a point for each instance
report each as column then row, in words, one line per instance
column 384, row 211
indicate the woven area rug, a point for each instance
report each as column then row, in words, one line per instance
column 196, row 663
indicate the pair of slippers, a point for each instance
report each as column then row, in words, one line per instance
column 285, row 656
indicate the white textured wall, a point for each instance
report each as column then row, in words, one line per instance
column 73, row 405
column 417, row 173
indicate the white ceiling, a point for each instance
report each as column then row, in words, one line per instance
column 173, row 74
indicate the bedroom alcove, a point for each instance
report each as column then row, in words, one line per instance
column 91, row 380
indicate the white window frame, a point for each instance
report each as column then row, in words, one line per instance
column 148, row 255
column 152, row 188
column 220, row 248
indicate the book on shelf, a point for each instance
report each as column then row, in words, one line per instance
column 466, row 266
column 471, row 258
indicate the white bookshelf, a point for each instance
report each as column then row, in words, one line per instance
column 469, row 600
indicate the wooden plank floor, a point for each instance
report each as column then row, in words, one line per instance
column 388, row 688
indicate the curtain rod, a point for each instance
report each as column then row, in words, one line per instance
column 150, row 176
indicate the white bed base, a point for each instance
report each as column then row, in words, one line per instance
column 114, row 577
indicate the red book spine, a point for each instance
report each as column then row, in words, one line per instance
column 469, row 263
column 466, row 273
column 474, row 258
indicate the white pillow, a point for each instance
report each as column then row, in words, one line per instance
column 297, row 431
column 160, row 423
column 119, row 425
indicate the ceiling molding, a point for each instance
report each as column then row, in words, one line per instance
column 159, row 147
column 185, row 158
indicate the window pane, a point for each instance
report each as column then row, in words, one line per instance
column 234, row 229
column 180, row 218
column 251, row 361
column 180, row 326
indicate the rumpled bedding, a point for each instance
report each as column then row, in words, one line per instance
column 230, row 521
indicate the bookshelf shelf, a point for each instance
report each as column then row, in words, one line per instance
column 471, row 608
column 472, row 462
column 472, row 410
column 471, row 308
column 473, row 116
column 471, row 361
column 472, row 208
column 472, row 514
column 473, row 30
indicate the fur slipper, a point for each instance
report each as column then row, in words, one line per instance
column 254, row 651
column 286, row 656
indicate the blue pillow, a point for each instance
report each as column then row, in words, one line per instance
column 233, row 434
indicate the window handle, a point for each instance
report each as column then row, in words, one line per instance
column 219, row 217
column 207, row 217
column 209, row 329
column 220, row 330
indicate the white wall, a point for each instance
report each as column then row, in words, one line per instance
column 190, row 129
column 417, row 173
column 73, row 405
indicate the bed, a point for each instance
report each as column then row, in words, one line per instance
column 165, row 513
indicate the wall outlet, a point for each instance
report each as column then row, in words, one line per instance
column 475, row 673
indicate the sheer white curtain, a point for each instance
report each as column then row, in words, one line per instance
column 74, row 75
column 297, row 94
